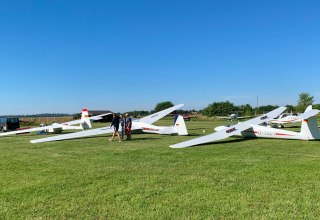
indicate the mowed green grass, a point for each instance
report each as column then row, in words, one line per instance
column 93, row 178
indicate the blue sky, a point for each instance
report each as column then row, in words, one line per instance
column 61, row 56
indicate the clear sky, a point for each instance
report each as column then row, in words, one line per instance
column 63, row 55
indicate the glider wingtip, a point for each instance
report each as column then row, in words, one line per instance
column 177, row 146
column 179, row 105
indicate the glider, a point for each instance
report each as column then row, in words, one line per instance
column 144, row 124
column 252, row 129
column 84, row 123
column 286, row 118
column 233, row 116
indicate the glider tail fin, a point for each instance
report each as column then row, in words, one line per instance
column 180, row 125
column 85, row 120
column 309, row 125
column 308, row 108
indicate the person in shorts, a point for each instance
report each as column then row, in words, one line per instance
column 115, row 124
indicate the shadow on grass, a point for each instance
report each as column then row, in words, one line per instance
column 35, row 134
column 198, row 135
column 106, row 138
column 197, row 129
column 141, row 139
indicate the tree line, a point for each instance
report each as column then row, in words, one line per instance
column 227, row 107
column 216, row 108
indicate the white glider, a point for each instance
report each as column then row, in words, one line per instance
column 84, row 123
column 144, row 124
column 252, row 129
column 286, row 118
column 233, row 116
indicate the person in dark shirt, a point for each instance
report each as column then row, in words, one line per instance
column 115, row 123
column 128, row 122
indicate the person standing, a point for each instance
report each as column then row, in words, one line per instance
column 123, row 126
column 128, row 122
column 115, row 123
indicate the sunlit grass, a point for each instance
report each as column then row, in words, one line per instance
column 145, row 179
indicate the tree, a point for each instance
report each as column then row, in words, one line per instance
column 305, row 99
column 266, row 108
column 163, row 105
column 219, row 109
column 316, row 106
column 138, row 114
column 246, row 110
column 290, row 108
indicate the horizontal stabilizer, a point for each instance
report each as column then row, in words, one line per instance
column 309, row 114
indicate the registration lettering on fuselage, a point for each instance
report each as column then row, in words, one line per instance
column 265, row 133
column 264, row 117
column 231, row 130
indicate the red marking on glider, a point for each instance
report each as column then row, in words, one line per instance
column 281, row 134
column 150, row 129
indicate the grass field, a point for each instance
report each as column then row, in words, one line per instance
column 93, row 178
